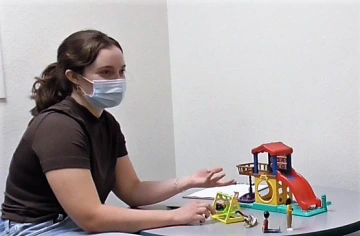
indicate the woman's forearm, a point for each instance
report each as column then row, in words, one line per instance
column 152, row 192
column 115, row 219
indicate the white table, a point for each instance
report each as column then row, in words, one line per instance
column 343, row 217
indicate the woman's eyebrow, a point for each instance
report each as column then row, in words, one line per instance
column 110, row 67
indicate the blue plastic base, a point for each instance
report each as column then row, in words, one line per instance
column 297, row 211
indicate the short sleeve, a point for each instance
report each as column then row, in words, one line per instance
column 121, row 143
column 60, row 142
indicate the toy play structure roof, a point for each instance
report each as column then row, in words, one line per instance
column 274, row 149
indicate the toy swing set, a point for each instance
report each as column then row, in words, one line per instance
column 229, row 210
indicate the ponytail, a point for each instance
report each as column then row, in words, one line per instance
column 52, row 87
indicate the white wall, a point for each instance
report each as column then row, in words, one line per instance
column 242, row 73
column 31, row 33
column 249, row 72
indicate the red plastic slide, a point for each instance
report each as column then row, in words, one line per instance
column 301, row 189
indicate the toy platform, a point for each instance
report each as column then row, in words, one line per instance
column 297, row 211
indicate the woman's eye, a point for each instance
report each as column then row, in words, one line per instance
column 122, row 72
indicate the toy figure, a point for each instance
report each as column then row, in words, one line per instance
column 289, row 211
column 249, row 221
column 220, row 205
column 265, row 227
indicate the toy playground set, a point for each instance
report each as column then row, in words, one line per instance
column 283, row 184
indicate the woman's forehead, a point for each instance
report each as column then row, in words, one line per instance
column 109, row 58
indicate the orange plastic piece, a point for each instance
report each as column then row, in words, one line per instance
column 301, row 189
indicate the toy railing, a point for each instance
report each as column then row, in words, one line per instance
column 263, row 168
column 248, row 168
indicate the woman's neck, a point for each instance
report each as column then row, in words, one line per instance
column 82, row 101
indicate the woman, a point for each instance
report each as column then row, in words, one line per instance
column 73, row 154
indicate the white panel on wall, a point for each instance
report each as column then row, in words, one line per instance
column 248, row 72
column 2, row 75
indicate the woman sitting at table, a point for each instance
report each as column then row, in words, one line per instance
column 73, row 154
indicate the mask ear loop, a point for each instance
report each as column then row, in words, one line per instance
column 78, row 87
column 81, row 91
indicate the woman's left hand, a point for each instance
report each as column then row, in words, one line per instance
column 209, row 178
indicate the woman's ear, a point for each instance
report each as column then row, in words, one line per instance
column 70, row 75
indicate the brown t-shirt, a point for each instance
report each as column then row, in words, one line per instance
column 66, row 135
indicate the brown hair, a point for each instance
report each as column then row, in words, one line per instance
column 77, row 51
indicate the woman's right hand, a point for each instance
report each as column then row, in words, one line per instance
column 193, row 212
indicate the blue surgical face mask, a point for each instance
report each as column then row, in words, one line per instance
column 106, row 93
